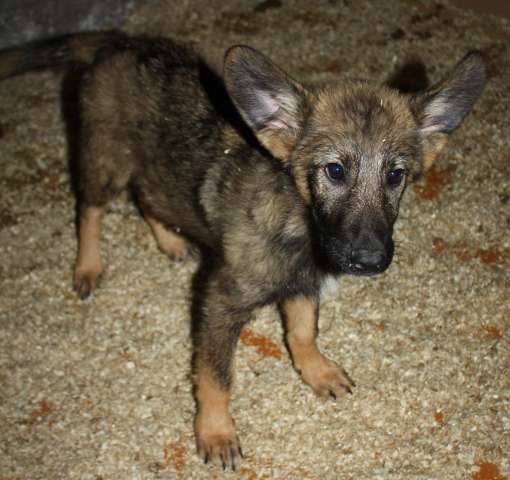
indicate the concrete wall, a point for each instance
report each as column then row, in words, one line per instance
column 25, row 20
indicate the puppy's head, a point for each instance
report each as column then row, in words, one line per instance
column 351, row 148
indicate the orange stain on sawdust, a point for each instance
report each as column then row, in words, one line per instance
column 44, row 409
column 492, row 332
column 488, row 471
column 265, row 346
column 249, row 474
column 434, row 181
column 175, row 454
column 489, row 256
column 439, row 416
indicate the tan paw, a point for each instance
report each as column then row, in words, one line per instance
column 169, row 241
column 326, row 377
column 217, row 441
column 85, row 281
column 176, row 247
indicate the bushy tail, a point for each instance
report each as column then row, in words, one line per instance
column 79, row 48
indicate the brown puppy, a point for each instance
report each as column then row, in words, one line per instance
column 314, row 193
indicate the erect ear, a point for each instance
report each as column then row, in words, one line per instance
column 442, row 107
column 270, row 102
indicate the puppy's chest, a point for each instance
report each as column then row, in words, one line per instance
column 301, row 278
column 329, row 287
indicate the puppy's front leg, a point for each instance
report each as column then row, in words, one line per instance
column 216, row 335
column 323, row 375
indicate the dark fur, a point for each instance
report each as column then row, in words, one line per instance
column 156, row 119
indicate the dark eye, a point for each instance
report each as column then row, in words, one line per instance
column 335, row 171
column 394, row 177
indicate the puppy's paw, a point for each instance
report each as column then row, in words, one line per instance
column 174, row 246
column 85, row 281
column 182, row 252
column 217, row 441
column 326, row 377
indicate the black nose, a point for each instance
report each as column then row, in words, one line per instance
column 365, row 261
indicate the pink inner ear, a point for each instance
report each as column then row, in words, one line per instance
column 434, row 113
column 283, row 119
column 273, row 110
column 267, row 106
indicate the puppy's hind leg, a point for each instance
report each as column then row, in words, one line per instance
column 105, row 170
column 88, row 268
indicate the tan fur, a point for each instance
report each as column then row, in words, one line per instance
column 323, row 375
column 89, row 268
column 214, row 428
column 431, row 149
column 279, row 146
column 171, row 243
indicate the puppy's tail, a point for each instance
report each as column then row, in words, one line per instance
column 81, row 48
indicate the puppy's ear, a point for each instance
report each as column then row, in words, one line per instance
column 271, row 103
column 441, row 108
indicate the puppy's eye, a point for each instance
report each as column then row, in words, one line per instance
column 394, row 177
column 335, row 172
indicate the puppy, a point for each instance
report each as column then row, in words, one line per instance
column 283, row 186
